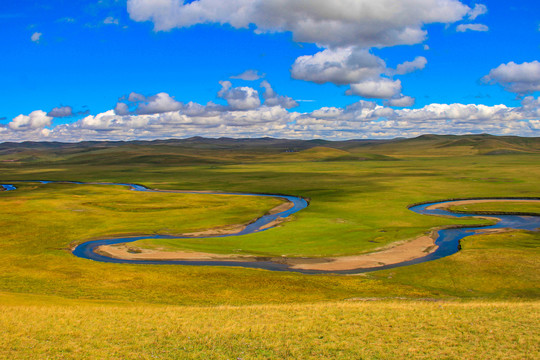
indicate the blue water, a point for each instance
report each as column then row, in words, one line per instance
column 8, row 187
column 447, row 240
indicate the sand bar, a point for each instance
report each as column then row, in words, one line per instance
column 468, row 202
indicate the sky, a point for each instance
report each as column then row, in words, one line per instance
column 341, row 69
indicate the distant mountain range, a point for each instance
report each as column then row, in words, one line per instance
column 208, row 150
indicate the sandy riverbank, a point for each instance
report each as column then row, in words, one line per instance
column 416, row 248
column 446, row 205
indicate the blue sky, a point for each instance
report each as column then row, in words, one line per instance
column 142, row 69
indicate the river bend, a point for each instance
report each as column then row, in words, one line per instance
column 447, row 240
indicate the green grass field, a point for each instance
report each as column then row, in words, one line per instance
column 484, row 299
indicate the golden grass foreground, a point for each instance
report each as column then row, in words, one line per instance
column 340, row 330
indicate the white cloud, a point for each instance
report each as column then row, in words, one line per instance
column 517, row 78
column 134, row 97
column 273, row 115
column 362, row 119
column 360, row 111
column 365, row 23
column 271, row 98
column 409, row 66
column 248, row 75
column 110, row 21
column 121, row 109
column 382, row 88
column 401, row 101
column 246, row 117
column 197, row 110
column 159, row 103
column 472, row 27
column 479, row 9
column 36, row 37
column 530, row 107
column 37, row 119
column 110, row 121
column 61, row 111
column 458, row 113
column 340, row 66
column 239, row 98
column 356, row 67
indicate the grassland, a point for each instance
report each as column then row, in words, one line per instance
column 342, row 330
column 502, row 207
column 491, row 265
column 92, row 211
column 55, row 304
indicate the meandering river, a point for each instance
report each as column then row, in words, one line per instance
column 447, row 240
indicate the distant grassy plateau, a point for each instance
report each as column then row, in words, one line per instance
column 359, row 194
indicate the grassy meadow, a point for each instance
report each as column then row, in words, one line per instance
column 335, row 330
column 483, row 301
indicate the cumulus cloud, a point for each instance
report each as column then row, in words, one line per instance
column 140, row 104
column 362, row 119
column 372, row 120
column 472, row 27
column 338, row 23
column 65, row 111
column 159, row 103
column 409, row 66
column 239, row 98
column 262, row 115
column 340, row 66
column 109, row 121
column 354, row 66
column 530, row 107
column 382, row 88
column 36, row 37
column 134, row 97
column 121, row 109
column 193, row 119
column 344, row 29
column 37, row 119
column 517, row 78
column 61, row 111
column 471, row 113
column 271, row 98
column 249, row 75
column 401, row 101
column 360, row 111
column 479, row 9
column 369, row 120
